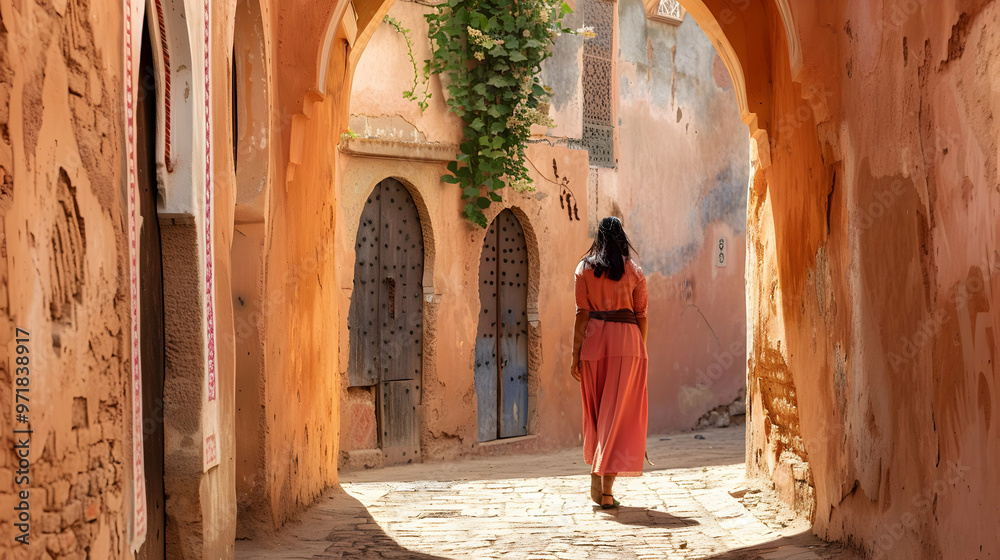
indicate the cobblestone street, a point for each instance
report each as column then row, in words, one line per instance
column 538, row 506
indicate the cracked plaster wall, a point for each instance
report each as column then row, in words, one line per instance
column 680, row 186
column 873, row 248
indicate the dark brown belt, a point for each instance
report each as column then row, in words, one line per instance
column 619, row 316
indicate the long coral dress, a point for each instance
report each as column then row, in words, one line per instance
column 613, row 364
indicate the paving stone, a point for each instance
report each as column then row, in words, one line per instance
column 539, row 507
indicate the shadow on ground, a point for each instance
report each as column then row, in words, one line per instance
column 800, row 546
column 645, row 517
column 345, row 530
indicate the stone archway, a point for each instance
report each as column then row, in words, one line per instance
column 757, row 41
column 752, row 54
column 717, row 19
column 742, row 35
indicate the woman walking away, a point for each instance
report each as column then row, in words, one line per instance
column 609, row 359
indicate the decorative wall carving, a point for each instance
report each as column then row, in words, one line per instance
column 669, row 11
column 598, row 112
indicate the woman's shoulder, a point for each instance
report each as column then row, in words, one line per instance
column 634, row 266
column 583, row 266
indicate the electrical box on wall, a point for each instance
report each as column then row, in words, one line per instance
column 721, row 252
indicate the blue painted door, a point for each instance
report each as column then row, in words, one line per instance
column 502, row 340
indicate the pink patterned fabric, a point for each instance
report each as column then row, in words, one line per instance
column 613, row 373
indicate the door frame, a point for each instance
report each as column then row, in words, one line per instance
column 429, row 304
column 153, row 367
column 534, row 322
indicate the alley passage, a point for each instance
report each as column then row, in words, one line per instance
column 537, row 506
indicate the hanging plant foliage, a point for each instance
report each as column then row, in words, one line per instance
column 411, row 93
column 489, row 53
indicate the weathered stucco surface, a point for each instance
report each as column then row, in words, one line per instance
column 680, row 186
column 887, row 298
column 62, row 275
column 300, row 405
column 872, row 246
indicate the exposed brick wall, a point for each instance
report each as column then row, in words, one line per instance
column 60, row 275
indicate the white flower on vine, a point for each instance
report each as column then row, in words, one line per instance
column 476, row 35
column 479, row 55
column 587, row 31
column 521, row 185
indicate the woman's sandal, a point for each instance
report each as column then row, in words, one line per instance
column 612, row 505
column 595, row 488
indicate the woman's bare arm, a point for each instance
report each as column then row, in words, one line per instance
column 582, row 318
column 640, row 302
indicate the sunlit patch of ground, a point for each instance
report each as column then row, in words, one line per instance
column 538, row 506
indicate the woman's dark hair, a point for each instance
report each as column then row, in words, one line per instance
column 611, row 249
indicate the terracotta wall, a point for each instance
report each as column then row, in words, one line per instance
column 300, row 350
column 414, row 148
column 873, row 245
column 65, row 278
column 300, row 387
column 912, row 349
column 62, row 215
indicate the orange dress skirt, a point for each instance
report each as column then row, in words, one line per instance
column 613, row 373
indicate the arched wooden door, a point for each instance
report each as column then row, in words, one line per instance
column 386, row 317
column 502, row 341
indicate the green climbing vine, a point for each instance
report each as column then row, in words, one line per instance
column 490, row 53
column 411, row 93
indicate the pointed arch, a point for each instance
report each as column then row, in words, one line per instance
column 251, row 100
column 175, row 108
